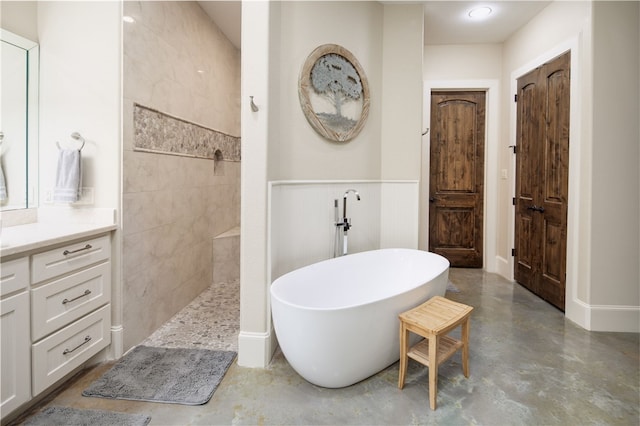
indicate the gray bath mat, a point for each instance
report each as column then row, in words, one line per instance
column 75, row 417
column 174, row 376
column 452, row 288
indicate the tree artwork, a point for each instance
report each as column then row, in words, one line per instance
column 333, row 76
column 334, row 93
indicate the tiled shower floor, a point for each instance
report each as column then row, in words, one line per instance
column 210, row 321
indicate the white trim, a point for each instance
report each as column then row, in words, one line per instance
column 575, row 309
column 502, row 266
column 117, row 342
column 606, row 317
column 615, row 318
column 580, row 314
column 255, row 349
column 491, row 160
column 16, row 40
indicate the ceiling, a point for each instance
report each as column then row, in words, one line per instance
column 445, row 22
column 227, row 16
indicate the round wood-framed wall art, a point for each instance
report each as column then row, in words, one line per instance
column 334, row 93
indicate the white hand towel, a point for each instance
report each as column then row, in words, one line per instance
column 68, row 176
column 3, row 185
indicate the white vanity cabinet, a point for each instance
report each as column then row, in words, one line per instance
column 15, row 352
column 68, row 285
column 56, row 315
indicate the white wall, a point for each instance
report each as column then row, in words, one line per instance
column 301, row 222
column 80, row 57
column 615, row 219
column 402, row 47
column 80, row 62
column 255, row 343
column 302, row 218
column 462, row 61
column 300, row 152
column 279, row 144
column 603, row 230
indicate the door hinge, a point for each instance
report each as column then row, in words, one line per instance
column 513, row 252
column 513, row 200
column 514, row 148
column 515, row 98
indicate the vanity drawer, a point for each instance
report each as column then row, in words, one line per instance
column 64, row 300
column 69, row 258
column 67, row 349
column 14, row 275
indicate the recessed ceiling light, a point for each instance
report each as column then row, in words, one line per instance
column 480, row 12
column 128, row 19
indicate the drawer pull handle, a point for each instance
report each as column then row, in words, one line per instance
column 86, row 340
column 86, row 293
column 66, row 252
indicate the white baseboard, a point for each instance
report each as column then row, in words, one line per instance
column 117, row 342
column 503, row 268
column 255, row 349
column 615, row 318
column 578, row 312
column 612, row 318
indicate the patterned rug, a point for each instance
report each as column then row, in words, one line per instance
column 170, row 375
column 73, row 416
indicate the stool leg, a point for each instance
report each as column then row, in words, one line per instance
column 465, row 347
column 404, row 342
column 433, row 370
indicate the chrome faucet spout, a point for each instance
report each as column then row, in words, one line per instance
column 344, row 201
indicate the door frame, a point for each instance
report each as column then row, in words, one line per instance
column 575, row 309
column 491, row 161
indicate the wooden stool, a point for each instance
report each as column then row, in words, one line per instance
column 433, row 320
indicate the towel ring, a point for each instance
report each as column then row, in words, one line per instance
column 77, row 136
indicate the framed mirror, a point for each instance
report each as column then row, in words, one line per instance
column 18, row 122
column 334, row 93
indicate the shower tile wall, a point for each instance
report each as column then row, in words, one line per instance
column 173, row 206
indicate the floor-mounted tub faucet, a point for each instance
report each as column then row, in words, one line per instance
column 345, row 225
column 345, row 219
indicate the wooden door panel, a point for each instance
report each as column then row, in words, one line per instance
column 456, row 184
column 525, row 262
column 528, row 130
column 456, row 146
column 452, row 228
column 556, row 152
column 542, row 170
column 553, row 250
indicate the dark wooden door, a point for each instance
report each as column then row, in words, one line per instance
column 456, row 183
column 542, row 184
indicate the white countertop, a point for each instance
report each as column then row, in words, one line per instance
column 54, row 226
column 23, row 238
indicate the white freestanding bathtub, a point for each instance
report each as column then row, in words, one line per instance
column 337, row 320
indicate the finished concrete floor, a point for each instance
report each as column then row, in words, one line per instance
column 528, row 365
